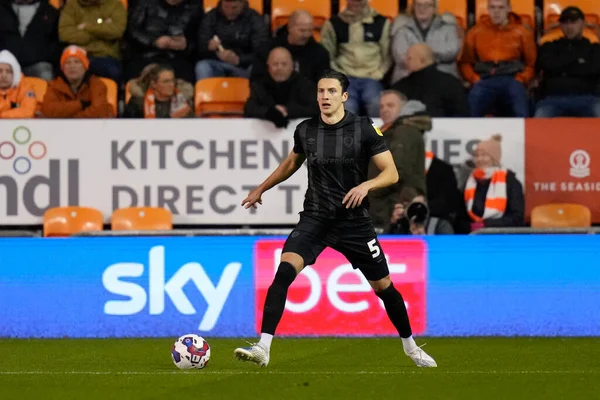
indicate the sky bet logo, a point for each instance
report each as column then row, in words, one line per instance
column 23, row 153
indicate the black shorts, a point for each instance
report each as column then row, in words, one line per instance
column 354, row 238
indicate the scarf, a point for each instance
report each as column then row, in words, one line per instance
column 179, row 106
column 495, row 200
column 428, row 159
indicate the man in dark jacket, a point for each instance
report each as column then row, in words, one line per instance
column 443, row 196
column 283, row 94
column 229, row 37
column 442, row 93
column 571, row 71
column 160, row 31
column 310, row 58
column 29, row 30
column 405, row 122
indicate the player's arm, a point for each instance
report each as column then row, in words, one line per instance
column 287, row 168
column 388, row 175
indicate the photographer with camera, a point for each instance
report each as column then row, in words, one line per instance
column 411, row 216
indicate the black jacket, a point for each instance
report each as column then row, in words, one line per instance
column 443, row 196
column 40, row 42
column 151, row 19
column 442, row 93
column 298, row 94
column 310, row 60
column 569, row 67
column 514, row 215
column 245, row 36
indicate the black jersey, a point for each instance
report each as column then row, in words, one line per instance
column 338, row 160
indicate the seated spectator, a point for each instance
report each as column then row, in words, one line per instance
column 404, row 122
column 442, row 93
column 17, row 98
column 76, row 93
column 161, row 97
column 358, row 42
column 29, row 30
column 160, row 31
column 229, row 37
column 425, row 25
column 310, row 58
column 283, row 94
column 411, row 216
column 443, row 196
column 570, row 69
column 98, row 27
column 493, row 195
column 498, row 60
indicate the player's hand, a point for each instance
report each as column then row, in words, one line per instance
column 356, row 195
column 252, row 199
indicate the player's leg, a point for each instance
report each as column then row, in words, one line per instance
column 359, row 244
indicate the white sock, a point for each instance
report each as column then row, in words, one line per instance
column 409, row 344
column 265, row 340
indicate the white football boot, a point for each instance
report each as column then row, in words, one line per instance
column 255, row 353
column 421, row 358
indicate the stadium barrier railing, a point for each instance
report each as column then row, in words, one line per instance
column 537, row 231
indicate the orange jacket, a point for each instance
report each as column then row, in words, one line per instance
column 486, row 42
column 23, row 96
column 61, row 102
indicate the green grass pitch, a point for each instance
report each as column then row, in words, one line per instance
column 326, row 368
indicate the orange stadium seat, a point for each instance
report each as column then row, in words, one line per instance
column 254, row 4
column 553, row 8
column 65, row 221
column 221, row 97
column 561, row 216
column 524, row 8
column 112, row 93
column 141, row 219
column 282, row 9
column 56, row 3
column 387, row 8
column 456, row 7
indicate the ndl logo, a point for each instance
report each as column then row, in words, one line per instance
column 116, row 280
column 22, row 155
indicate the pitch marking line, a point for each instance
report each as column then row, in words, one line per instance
column 412, row 372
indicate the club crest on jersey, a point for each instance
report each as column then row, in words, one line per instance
column 377, row 130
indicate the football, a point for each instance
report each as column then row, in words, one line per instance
column 190, row 351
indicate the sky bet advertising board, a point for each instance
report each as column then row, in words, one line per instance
column 530, row 285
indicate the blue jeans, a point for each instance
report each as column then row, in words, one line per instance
column 107, row 67
column 572, row 106
column 503, row 91
column 363, row 93
column 216, row 68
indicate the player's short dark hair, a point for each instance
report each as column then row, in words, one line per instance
column 341, row 78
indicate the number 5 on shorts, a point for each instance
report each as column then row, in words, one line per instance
column 373, row 248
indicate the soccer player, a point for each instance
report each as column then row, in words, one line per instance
column 338, row 146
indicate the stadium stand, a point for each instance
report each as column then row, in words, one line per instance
column 523, row 8
column 65, row 221
column 553, row 8
column 282, row 9
column 141, row 218
column 561, row 216
column 387, row 8
column 458, row 8
column 112, row 93
column 221, row 97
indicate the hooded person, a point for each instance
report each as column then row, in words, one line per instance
column 493, row 195
column 76, row 93
column 17, row 97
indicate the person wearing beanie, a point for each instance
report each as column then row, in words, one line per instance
column 493, row 195
column 17, row 98
column 76, row 93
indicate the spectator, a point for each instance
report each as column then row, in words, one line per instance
column 229, row 37
column 498, row 60
column 443, row 197
column 404, row 122
column 76, row 93
column 310, row 58
column 411, row 216
column 358, row 42
column 160, row 31
column 17, row 98
column 438, row 31
column 98, row 27
column 570, row 68
column 283, row 94
column 493, row 195
column 29, row 30
column 443, row 94
column 161, row 98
